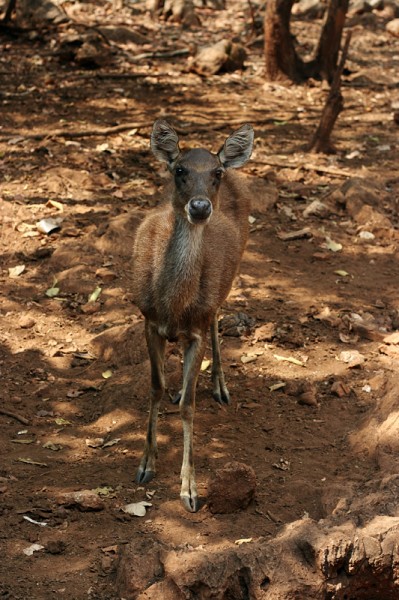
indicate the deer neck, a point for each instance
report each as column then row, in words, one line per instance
column 179, row 282
column 185, row 250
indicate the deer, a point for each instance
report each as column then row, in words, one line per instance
column 186, row 255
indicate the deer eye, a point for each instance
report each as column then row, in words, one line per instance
column 179, row 171
column 219, row 174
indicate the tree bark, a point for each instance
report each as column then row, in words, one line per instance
column 281, row 57
column 10, row 9
column 325, row 62
column 333, row 106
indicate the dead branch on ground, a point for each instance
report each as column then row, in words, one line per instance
column 13, row 415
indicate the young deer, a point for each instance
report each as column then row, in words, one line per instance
column 186, row 255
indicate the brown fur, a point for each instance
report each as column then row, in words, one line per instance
column 186, row 255
column 192, row 301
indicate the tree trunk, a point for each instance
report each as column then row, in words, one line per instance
column 334, row 105
column 10, row 9
column 281, row 58
column 325, row 62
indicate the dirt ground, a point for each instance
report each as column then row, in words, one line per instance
column 308, row 330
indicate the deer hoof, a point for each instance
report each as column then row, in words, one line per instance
column 222, row 397
column 176, row 399
column 144, row 476
column 190, row 503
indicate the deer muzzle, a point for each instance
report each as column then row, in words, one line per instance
column 199, row 210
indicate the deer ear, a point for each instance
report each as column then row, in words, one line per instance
column 237, row 149
column 164, row 142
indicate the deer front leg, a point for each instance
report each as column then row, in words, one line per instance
column 220, row 391
column 156, row 350
column 193, row 356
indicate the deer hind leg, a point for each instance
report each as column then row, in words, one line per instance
column 156, row 350
column 220, row 391
column 193, row 356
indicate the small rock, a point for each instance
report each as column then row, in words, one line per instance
column 308, row 398
column 366, row 235
column 26, row 322
column 313, row 9
column 90, row 308
column 105, row 274
column 236, row 325
column 231, row 488
column 94, row 442
column 84, row 500
column 392, row 27
column 340, row 389
column 107, row 564
column 308, row 394
column 265, row 333
column 316, row 208
column 55, row 547
column 377, row 382
column 353, row 358
column 392, row 338
column 222, row 56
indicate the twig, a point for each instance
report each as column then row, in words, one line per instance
column 77, row 134
column 171, row 54
column 13, row 415
column 124, row 127
column 111, row 75
column 252, row 17
column 306, row 167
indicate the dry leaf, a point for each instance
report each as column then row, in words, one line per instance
column 331, row 245
column 205, row 364
column 277, row 386
column 58, row 205
column 61, row 421
column 138, row 509
column 49, row 225
column 32, row 548
column 94, row 295
column 14, row 272
column 290, row 359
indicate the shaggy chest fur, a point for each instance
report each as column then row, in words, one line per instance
column 177, row 284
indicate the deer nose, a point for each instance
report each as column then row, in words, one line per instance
column 199, row 209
